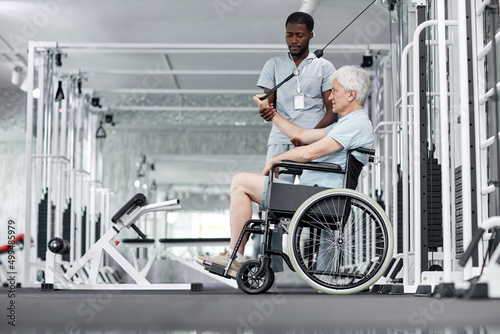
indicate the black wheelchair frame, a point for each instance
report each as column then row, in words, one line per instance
column 256, row 276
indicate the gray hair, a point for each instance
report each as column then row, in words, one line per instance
column 353, row 77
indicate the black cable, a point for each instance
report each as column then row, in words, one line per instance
column 347, row 26
column 318, row 53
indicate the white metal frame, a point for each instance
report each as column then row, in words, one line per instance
column 410, row 132
column 481, row 50
column 106, row 244
column 410, row 135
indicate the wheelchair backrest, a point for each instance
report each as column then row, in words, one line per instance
column 353, row 170
column 353, row 167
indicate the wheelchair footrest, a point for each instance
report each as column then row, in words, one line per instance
column 215, row 268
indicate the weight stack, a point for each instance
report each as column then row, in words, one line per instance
column 98, row 227
column 459, row 227
column 83, row 236
column 434, row 205
column 66, row 231
column 42, row 225
column 400, row 211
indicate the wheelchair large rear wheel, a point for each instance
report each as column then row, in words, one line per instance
column 340, row 241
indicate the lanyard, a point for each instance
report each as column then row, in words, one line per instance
column 297, row 71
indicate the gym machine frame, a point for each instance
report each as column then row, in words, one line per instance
column 127, row 216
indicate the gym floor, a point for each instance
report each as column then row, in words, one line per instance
column 220, row 309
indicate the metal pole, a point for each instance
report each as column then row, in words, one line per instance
column 466, row 128
column 445, row 143
column 29, row 137
column 404, row 160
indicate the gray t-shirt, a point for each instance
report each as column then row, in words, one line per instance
column 314, row 80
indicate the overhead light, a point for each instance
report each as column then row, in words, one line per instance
column 309, row 6
column 24, row 85
column 17, row 75
column 59, row 93
column 24, row 88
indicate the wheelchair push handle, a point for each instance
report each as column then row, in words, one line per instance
column 364, row 150
column 472, row 246
column 369, row 151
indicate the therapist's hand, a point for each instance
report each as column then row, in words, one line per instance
column 296, row 141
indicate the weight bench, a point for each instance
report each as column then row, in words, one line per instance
column 126, row 217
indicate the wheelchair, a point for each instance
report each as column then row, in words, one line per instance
column 339, row 241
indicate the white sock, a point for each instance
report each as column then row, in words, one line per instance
column 239, row 256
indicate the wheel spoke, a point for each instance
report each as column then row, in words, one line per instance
column 339, row 241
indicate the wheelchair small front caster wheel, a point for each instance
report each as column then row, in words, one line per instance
column 249, row 282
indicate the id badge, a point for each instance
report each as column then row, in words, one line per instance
column 298, row 101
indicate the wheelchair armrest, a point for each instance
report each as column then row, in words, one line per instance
column 311, row 165
column 291, row 171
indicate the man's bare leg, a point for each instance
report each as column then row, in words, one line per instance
column 245, row 189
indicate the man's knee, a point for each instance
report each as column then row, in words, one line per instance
column 249, row 184
column 240, row 181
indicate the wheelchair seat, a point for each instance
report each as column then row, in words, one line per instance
column 284, row 198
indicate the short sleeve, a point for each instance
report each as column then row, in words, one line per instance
column 355, row 130
column 345, row 133
column 267, row 75
column 328, row 70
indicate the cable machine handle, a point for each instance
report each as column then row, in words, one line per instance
column 276, row 87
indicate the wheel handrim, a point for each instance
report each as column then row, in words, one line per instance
column 323, row 251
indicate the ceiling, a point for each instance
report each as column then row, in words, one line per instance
column 185, row 45
column 189, row 63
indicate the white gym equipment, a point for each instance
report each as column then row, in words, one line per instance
column 127, row 216
column 487, row 283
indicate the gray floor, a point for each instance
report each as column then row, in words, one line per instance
column 219, row 309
